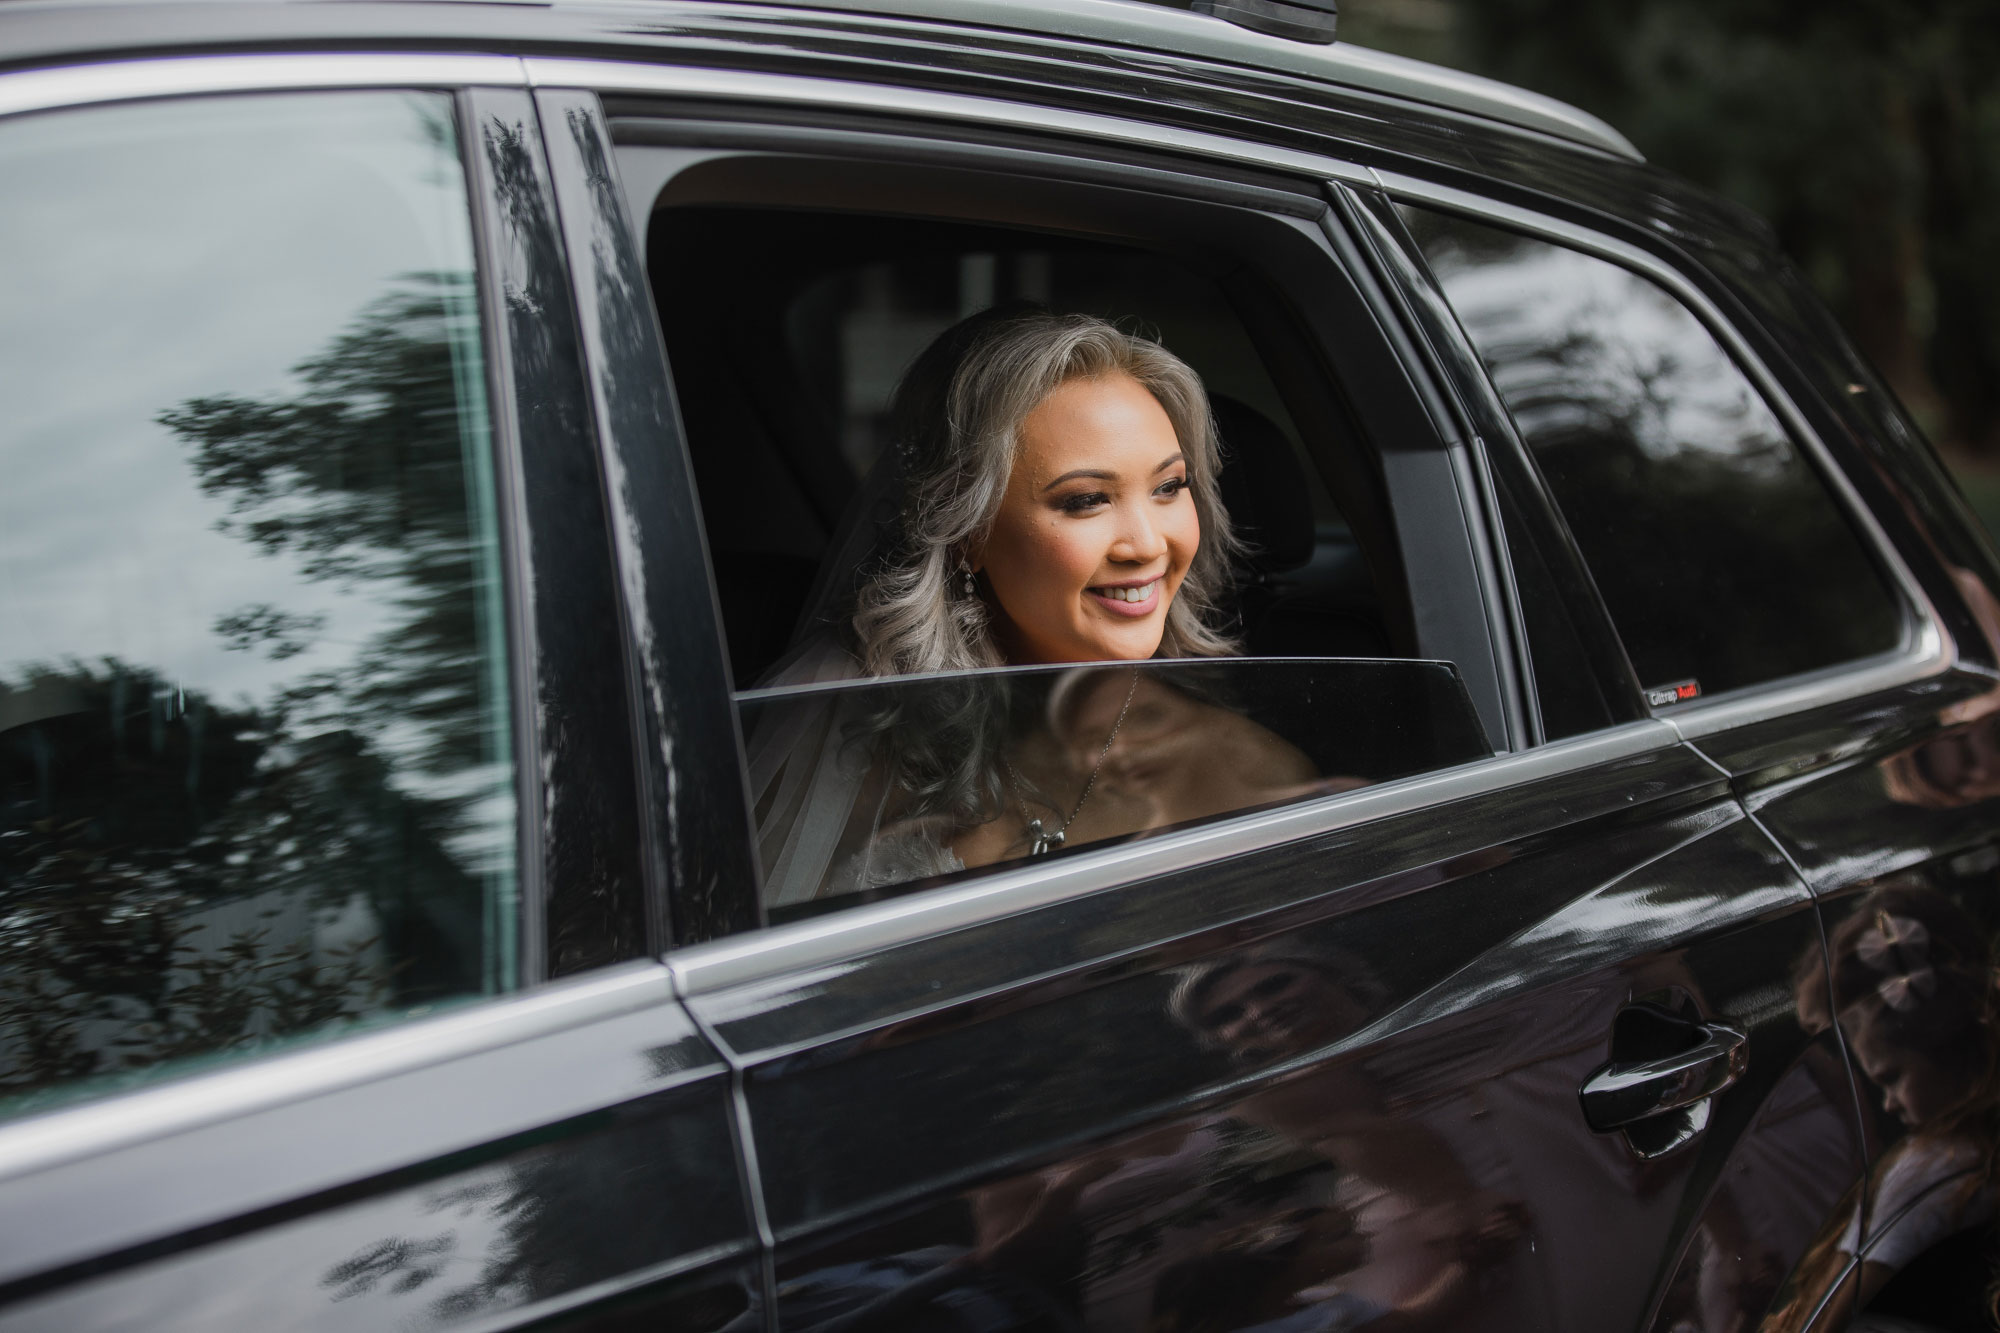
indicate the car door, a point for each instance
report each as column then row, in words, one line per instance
column 1780, row 586
column 1366, row 1050
column 325, row 991
column 1884, row 800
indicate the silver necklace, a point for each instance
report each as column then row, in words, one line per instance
column 1041, row 838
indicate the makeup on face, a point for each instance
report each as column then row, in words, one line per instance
column 1096, row 530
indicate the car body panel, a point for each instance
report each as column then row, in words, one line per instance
column 440, row 1169
column 1502, row 935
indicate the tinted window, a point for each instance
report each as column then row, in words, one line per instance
column 1721, row 556
column 866, row 785
column 254, row 771
column 1573, row 693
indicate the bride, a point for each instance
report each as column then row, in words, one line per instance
column 1054, row 501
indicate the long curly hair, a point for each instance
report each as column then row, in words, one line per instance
column 954, row 426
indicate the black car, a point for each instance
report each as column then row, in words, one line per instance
column 426, row 425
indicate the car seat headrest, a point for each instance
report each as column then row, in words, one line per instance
column 1263, row 487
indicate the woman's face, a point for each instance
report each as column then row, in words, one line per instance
column 1096, row 529
column 1268, row 1009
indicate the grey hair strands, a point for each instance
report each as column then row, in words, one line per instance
column 954, row 428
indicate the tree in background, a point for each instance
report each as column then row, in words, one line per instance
column 1867, row 132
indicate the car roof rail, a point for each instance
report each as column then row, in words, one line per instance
column 1294, row 20
column 1172, row 27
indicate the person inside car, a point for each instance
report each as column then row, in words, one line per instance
column 1051, row 497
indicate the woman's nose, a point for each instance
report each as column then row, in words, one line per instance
column 1139, row 540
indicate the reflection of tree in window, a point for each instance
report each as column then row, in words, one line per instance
column 180, row 875
column 1720, row 554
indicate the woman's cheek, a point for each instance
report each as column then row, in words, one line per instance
column 1186, row 541
column 1064, row 565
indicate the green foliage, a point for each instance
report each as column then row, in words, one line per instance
column 1867, row 132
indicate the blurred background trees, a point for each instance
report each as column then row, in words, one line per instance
column 1866, row 131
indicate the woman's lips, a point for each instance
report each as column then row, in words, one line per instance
column 1128, row 601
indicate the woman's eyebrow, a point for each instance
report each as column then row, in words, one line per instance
column 1097, row 474
column 1074, row 473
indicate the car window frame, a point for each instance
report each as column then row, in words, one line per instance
column 752, row 955
column 1925, row 649
column 489, row 1032
column 1504, row 465
column 28, row 95
column 1155, row 149
column 1473, row 610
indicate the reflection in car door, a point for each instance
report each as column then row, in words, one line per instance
column 562, row 1157
column 1330, row 1054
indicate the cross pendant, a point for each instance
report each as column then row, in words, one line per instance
column 1040, row 839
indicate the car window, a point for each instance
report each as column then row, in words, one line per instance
column 1574, row 692
column 786, row 362
column 866, row 787
column 1720, row 553
column 255, row 772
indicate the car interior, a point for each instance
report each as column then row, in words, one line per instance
column 794, row 292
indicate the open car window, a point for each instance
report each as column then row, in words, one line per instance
column 788, row 346
column 871, row 787
column 796, row 290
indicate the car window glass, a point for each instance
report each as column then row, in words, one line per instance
column 1571, row 693
column 865, row 787
column 1721, row 555
column 255, row 777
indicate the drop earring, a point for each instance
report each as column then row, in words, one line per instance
column 966, row 584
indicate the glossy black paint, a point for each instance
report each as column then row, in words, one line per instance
column 592, row 908
column 913, row 1092
column 533, row 1179
column 1888, row 807
column 696, row 826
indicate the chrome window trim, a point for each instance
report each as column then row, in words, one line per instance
column 1927, row 651
column 261, row 1082
column 180, row 76
column 615, row 76
column 845, row 935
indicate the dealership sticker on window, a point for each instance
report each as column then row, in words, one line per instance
column 1659, row 696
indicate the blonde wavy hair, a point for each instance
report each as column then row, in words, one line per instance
column 955, row 422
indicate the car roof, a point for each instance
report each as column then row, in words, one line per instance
column 1134, row 28
column 1148, row 26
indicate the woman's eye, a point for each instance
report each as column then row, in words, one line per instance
column 1168, row 490
column 1084, row 503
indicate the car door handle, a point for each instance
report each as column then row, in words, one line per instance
column 1625, row 1092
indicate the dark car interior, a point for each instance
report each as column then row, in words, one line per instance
column 788, row 334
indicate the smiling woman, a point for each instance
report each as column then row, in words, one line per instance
column 1054, row 501
column 1093, row 537
column 1057, row 503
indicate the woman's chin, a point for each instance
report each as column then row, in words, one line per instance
column 1134, row 641
column 1096, row 639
